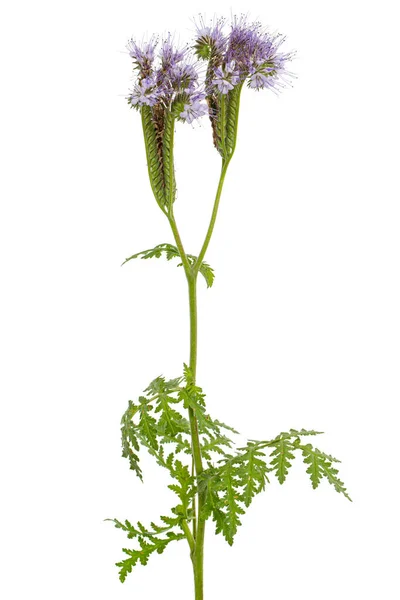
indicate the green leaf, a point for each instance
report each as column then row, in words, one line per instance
column 147, row 424
column 319, row 466
column 146, row 550
column 282, row 457
column 253, row 472
column 170, row 251
column 234, row 481
column 207, row 272
column 213, row 443
column 171, row 422
column 299, row 433
column 152, row 539
column 130, row 443
column 184, row 488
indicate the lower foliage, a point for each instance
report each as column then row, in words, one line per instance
column 234, row 474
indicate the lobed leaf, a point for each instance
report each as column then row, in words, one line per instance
column 129, row 439
column 170, row 251
column 282, row 455
column 319, row 466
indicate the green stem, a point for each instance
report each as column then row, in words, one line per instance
column 196, row 538
column 198, row 555
column 179, row 245
column 225, row 164
column 188, row 533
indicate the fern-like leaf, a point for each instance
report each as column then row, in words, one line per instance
column 147, row 548
column 147, row 424
column 129, row 439
column 170, row 251
column 171, row 422
column 282, row 455
column 184, row 488
column 206, row 271
column 319, row 466
column 231, row 484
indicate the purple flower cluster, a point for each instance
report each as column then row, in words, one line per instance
column 246, row 52
column 168, row 78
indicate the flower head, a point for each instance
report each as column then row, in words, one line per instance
column 167, row 80
column 248, row 51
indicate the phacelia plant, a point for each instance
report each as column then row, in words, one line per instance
column 212, row 478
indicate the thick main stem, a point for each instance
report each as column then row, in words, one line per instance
column 198, row 555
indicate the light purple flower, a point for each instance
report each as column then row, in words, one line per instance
column 194, row 108
column 226, row 77
column 145, row 92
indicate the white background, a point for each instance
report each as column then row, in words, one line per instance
column 301, row 328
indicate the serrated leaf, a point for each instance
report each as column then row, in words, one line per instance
column 146, row 550
column 184, row 488
column 170, row 251
column 319, row 466
column 282, row 457
column 129, row 439
column 154, row 539
column 147, row 424
column 207, row 272
column 234, row 481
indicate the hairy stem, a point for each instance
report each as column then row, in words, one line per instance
column 196, row 537
column 225, row 164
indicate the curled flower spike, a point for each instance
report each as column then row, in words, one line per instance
column 170, row 56
column 143, row 57
column 246, row 53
